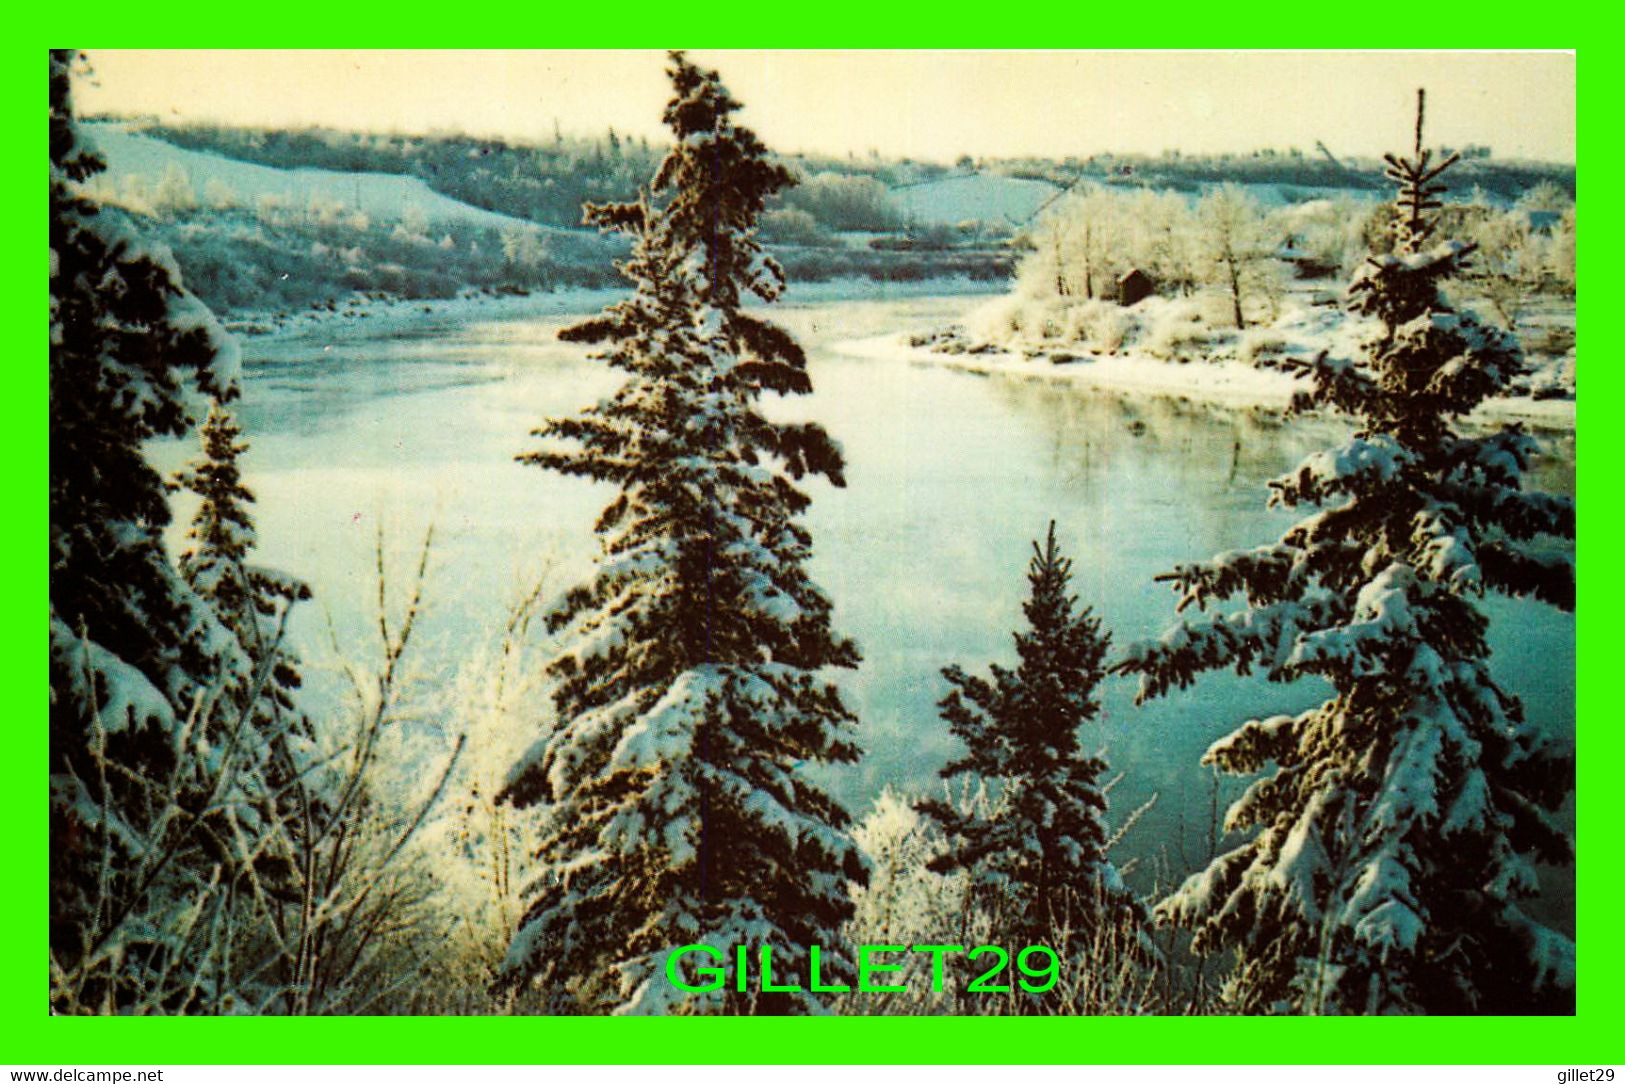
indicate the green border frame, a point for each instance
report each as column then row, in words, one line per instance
column 33, row 1038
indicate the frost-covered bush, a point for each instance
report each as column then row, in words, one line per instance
column 904, row 902
column 1261, row 347
column 1326, row 235
column 1514, row 261
column 174, row 194
column 477, row 843
column 1215, row 261
column 1179, row 330
column 793, row 226
column 1102, row 325
column 841, row 202
column 1196, row 328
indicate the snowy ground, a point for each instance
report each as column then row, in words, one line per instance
column 1224, row 383
column 979, row 197
column 1236, row 370
column 1013, row 201
column 370, row 316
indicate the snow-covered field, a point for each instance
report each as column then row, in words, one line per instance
column 384, row 196
column 1013, row 201
column 979, row 197
column 1274, row 195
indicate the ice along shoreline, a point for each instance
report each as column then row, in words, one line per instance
column 1221, row 382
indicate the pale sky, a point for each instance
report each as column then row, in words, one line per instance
column 928, row 105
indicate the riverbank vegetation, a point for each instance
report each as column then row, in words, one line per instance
column 1159, row 276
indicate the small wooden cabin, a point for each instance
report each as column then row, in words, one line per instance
column 1133, row 287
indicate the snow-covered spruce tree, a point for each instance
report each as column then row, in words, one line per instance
column 690, row 701
column 135, row 657
column 1039, row 862
column 1396, row 827
column 251, row 601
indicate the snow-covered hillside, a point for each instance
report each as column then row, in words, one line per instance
column 1293, row 196
column 979, row 197
column 383, row 196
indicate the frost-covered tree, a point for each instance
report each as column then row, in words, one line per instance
column 136, row 659
column 1560, row 252
column 1395, row 830
column 1236, row 247
column 174, row 194
column 1088, row 238
column 681, row 804
column 1037, row 857
column 1163, row 241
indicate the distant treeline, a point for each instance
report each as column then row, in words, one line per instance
column 1187, row 173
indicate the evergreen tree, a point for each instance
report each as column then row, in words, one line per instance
column 135, row 657
column 250, row 601
column 680, row 802
column 1037, row 857
column 253, row 603
column 1396, row 827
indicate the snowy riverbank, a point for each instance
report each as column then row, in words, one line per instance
column 1222, row 382
column 366, row 315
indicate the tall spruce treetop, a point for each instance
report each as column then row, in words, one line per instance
column 134, row 652
column 1039, row 861
column 690, row 700
column 1395, row 828
column 253, row 603
column 249, row 600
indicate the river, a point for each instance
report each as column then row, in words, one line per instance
column 950, row 476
